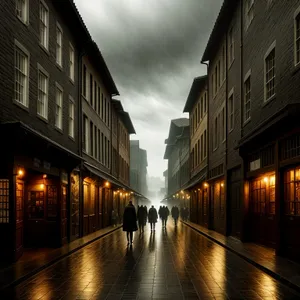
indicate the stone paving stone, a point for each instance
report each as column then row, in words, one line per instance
column 169, row 264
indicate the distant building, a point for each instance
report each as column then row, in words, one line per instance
column 177, row 153
column 138, row 168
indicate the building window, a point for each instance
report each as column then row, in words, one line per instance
column 91, row 89
column 270, row 75
column 58, row 107
column 224, row 63
column 263, row 195
column 297, row 37
column 44, row 25
column 216, row 80
column 21, row 76
column 71, row 63
column 4, row 201
column 247, row 101
column 205, row 103
column 202, row 148
column 59, row 41
column 249, row 12
column 215, row 146
column 223, row 125
column 22, row 10
column 292, row 192
column 43, row 84
column 230, row 112
column 98, row 101
column 91, row 138
column 205, row 145
column 71, row 118
column 84, row 81
column 230, row 47
column 85, row 134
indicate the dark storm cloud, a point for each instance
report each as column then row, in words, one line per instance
column 153, row 50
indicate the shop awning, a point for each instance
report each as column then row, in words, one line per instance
column 195, row 180
column 12, row 128
column 108, row 177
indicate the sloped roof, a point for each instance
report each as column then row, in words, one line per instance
column 123, row 115
column 220, row 27
column 197, row 85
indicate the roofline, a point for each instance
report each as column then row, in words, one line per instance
column 222, row 21
column 191, row 97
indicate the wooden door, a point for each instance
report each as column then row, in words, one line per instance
column 64, row 216
column 19, row 218
column 262, row 199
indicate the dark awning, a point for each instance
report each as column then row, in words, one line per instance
column 13, row 128
column 108, row 177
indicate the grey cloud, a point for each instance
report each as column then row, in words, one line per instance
column 153, row 50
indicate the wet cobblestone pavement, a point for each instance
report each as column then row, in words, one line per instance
column 168, row 264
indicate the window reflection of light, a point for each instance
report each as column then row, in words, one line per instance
column 267, row 285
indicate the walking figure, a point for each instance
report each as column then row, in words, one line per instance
column 141, row 216
column 129, row 221
column 175, row 214
column 164, row 216
column 152, row 217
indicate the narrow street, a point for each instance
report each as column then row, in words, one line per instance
column 168, row 264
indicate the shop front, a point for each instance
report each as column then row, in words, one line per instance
column 262, row 209
column 218, row 205
column 35, row 198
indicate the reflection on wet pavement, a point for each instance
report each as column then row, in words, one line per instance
column 172, row 263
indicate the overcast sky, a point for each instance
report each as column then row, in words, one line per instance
column 153, row 50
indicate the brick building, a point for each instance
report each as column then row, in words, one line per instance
column 253, row 136
column 44, row 191
column 196, row 106
column 177, row 153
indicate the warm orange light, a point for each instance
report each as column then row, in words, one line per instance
column 20, row 172
column 272, row 180
column 107, row 183
column 121, row 194
column 42, row 186
column 181, row 192
column 266, row 179
column 45, row 176
column 205, row 184
column 177, row 195
column 222, row 184
column 187, row 195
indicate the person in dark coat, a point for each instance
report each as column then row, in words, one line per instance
column 152, row 217
column 141, row 215
column 175, row 214
column 129, row 221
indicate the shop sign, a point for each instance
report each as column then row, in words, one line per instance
column 254, row 165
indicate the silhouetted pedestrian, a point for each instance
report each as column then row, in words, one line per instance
column 129, row 221
column 152, row 217
column 175, row 214
column 141, row 215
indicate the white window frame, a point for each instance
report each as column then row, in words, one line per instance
column 24, row 10
column 296, row 15
column 71, row 117
column 59, row 53
column 271, row 48
column 44, row 114
column 44, row 43
column 247, row 76
column 59, row 115
column 249, row 6
column 72, row 63
column 231, row 111
column 21, row 48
